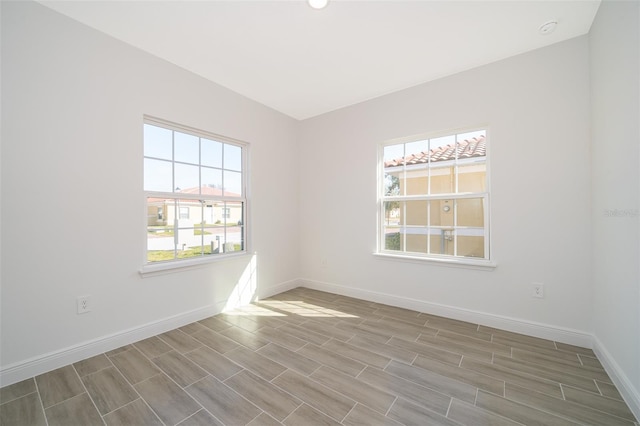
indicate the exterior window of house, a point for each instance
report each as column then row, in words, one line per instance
column 194, row 184
column 434, row 198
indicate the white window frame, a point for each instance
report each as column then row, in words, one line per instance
column 152, row 268
column 487, row 262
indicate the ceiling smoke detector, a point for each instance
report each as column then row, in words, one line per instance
column 548, row 27
column 318, row 4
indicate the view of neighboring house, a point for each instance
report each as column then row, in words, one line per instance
column 191, row 227
column 438, row 199
column 189, row 212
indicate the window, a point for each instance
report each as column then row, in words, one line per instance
column 194, row 185
column 434, row 198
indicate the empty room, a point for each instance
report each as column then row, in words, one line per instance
column 320, row 213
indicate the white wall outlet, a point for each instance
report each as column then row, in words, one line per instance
column 83, row 304
column 537, row 290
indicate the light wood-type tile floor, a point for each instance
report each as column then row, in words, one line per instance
column 309, row 358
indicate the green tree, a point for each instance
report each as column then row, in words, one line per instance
column 392, row 187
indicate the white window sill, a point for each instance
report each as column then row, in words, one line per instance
column 161, row 268
column 479, row 264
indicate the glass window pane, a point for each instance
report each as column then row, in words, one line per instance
column 392, row 239
column 211, row 153
column 442, row 178
column 157, row 142
column 391, row 213
column 472, row 178
column 469, row 245
column 415, row 213
column 392, row 183
column 416, row 162
column 470, row 212
column 417, row 240
column 232, row 157
column 189, row 243
column 187, row 179
column 234, row 237
column 441, row 241
column 442, row 148
column 441, row 213
column 187, row 148
column 232, row 184
column 471, row 135
column 157, row 175
column 393, row 155
column 211, row 181
column 160, row 231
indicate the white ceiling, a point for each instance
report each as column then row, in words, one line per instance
column 305, row 62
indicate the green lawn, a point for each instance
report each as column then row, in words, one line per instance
column 163, row 255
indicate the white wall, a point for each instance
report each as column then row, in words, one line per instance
column 537, row 108
column 72, row 202
column 615, row 74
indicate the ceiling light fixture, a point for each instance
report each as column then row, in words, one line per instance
column 548, row 27
column 318, row 4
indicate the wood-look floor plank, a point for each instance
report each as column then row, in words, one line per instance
column 59, row 385
column 214, row 363
column 354, row 389
column 470, row 415
column 547, row 372
column 513, row 376
column 332, row 359
column 411, row 391
column 365, row 416
column 25, row 409
column 432, row 352
column 281, row 338
column 166, row 399
column 289, row 359
column 408, row 413
column 221, row 401
column 464, row 375
column 135, row 413
column 579, row 413
column 263, row 394
column 519, row 412
column 435, row 381
column 597, row 402
column 315, row 394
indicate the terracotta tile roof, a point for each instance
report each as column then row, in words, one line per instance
column 205, row 190
column 468, row 148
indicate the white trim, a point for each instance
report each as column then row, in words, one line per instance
column 516, row 325
column 448, row 261
column 264, row 293
column 31, row 367
column 629, row 393
column 171, row 266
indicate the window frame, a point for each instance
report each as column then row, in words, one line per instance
column 151, row 268
column 487, row 262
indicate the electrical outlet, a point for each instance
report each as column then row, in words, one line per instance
column 83, row 304
column 538, row 290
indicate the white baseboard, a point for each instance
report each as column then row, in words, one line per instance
column 280, row 288
column 22, row 370
column 41, row 364
column 630, row 394
column 530, row 328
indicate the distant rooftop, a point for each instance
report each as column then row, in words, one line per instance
column 468, row 148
